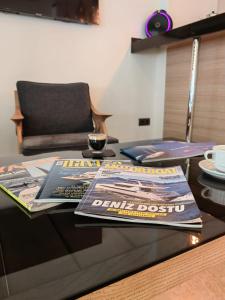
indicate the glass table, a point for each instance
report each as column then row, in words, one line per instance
column 57, row 255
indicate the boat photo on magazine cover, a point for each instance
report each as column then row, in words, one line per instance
column 142, row 195
column 22, row 182
column 69, row 179
column 166, row 150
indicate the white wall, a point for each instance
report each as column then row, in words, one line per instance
column 127, row 85
column 184, row 12
column 220, row 6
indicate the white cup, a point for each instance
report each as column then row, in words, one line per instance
column 218, row 157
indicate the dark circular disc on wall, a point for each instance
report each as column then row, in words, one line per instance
column 157, row 23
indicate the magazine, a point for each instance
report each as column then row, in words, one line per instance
column 68, row 180
column 22, row 182
column 142, row 195
column 166, row 150
column 53, row 209
column 85, row 222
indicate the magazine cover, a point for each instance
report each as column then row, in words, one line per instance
column 51, row 210
column 165, row 150
column 143, row 195
column 68, row 180
column 23, row 181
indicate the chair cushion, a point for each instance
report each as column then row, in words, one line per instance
column 75, row 141
column 54, row 108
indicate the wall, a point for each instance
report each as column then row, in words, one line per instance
column 127, row 85
column 184, row 12
column 220, row 6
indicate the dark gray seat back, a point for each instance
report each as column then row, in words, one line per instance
column 55, row 108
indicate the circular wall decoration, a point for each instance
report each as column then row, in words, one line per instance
column 158, row 22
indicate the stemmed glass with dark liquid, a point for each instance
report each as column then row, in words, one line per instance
column 97, row 142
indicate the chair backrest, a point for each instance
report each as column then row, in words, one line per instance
column 50, row 108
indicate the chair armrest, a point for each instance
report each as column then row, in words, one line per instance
column 17, row 118
column 99, row 120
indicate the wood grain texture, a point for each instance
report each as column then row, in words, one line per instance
column 209, row 110
column 177, row 83
column 196, row 274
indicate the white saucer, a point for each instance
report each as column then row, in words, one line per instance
column 208, row 167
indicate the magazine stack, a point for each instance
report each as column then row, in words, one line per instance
column 142, row 195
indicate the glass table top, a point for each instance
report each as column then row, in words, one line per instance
column 57, row 255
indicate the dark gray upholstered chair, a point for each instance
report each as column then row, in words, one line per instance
column 54, row 117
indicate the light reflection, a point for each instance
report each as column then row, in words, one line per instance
column 194, row 239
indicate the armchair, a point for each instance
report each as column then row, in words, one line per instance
column 53, row 117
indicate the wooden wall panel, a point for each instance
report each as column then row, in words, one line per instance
column 176, row 97
column 209, row 112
